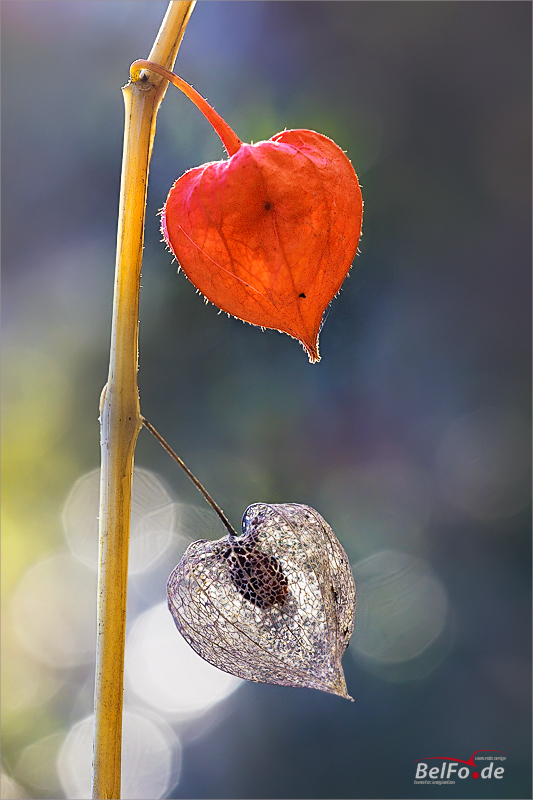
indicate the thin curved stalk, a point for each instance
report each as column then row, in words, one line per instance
column 228, row 137
column 214, row 505
column 120, row 417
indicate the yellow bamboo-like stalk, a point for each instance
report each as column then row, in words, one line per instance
column 120, row 416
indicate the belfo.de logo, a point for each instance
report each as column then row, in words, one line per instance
column 484, row 767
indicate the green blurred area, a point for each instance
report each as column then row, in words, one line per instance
column 432, row 102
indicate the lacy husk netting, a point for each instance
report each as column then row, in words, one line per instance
column 275, row 605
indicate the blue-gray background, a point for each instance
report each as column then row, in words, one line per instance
column 427, row 344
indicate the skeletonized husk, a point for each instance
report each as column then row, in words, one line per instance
column 275, row 605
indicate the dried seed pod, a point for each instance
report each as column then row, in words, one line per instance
column 256, row 575
column 275, row 605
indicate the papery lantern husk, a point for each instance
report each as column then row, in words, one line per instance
column 270, row 234
column 275, row 605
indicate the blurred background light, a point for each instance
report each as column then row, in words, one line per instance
column 26, row 680
column 36, row 401
column 53, row 610
column 151, row 757
column 383, row 503
column 37, row 765
column 153, row 517
column 166, row 674
column 401, row 607
column 9, row 788
column 484, row 463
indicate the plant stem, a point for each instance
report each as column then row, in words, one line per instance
column 193, row 478
column 120, row 417
column 229, row 138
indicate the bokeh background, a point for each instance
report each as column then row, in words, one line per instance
column 411, row 437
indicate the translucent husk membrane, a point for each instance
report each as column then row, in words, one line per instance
column 275, row 605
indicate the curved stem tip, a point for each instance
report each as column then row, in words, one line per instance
column 229, row 138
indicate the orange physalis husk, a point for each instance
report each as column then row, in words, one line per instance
column 270, row 234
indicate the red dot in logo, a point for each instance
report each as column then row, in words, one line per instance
column 475, row 774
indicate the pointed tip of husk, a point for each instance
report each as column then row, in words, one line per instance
column 340, row 692
column 342, row 683
column 338, row 686
column 312, row 350
column 345, row 695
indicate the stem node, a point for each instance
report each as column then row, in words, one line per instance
column 228, row 137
